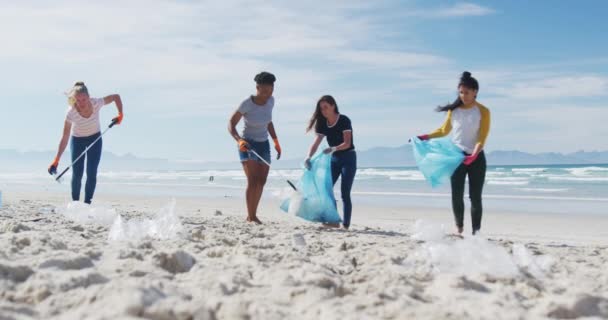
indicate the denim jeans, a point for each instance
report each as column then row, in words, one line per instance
column 78, row 145
column 345, row 165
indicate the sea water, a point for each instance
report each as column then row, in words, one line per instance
column 569, row 189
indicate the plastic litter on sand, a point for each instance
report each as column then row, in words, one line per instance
column 165, row 225
column 89, row 213
column 474, row 255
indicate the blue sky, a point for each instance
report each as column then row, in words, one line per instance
column 182, row 67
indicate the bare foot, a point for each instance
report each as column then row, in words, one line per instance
column 256, row 220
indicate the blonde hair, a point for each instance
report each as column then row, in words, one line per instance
column 78, row 87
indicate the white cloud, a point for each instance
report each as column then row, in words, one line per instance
column 458, row 10
column 166, row 51
column 463, row 10
column 390, row 59
column 165, row 43
column 515, row 84
column 548, row 127
column 557, row 87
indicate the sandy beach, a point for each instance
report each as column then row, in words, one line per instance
column 394, row 263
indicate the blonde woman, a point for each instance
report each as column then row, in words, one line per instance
column 82, row 123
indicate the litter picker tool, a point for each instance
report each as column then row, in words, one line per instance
column 114, row 121
column 268, row 164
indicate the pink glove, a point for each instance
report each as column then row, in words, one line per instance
column 470, row 159
column 424, row 137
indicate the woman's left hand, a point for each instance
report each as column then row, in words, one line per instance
column 329, row 150
column 277, row 147
column 118, row 120
column 470, row 159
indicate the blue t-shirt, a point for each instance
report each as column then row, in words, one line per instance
column 335, row 133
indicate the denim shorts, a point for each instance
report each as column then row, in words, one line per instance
column 262, row 148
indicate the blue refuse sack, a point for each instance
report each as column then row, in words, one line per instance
column 437, row 159
column 314, row 200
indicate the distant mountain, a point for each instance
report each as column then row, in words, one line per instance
column 12, row 160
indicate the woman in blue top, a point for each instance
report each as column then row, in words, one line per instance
column 329, row 123
column 256, row 112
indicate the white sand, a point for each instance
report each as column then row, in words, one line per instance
column 388, row 266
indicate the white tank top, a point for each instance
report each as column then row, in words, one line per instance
column 465, row 127
column 84, row 127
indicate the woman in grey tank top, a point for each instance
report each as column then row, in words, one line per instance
column 256, row 112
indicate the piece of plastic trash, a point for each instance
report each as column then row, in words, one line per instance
column 88, row 213
column 537, row 266
column 469, row 256
column 473, row 255
column 165, row 225
column 427, row 231
column 46, row 209
column 314, row 200
column 437, row 159
column 298, row 240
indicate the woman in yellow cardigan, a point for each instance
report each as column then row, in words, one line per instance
column 469, row 122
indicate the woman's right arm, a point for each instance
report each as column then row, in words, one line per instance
column 442, row 131
column 315, row 145
column 67, row 128
column 234, row 120
column 313, row 148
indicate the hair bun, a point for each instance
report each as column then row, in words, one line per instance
column 78, row 83
column 466, row 75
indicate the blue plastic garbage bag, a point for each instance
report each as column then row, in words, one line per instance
column 437, row 159
column 314, row 200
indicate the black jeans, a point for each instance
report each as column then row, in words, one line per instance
column 476, row 172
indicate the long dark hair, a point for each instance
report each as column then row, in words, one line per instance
column 318, row 117
column 467, row 81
